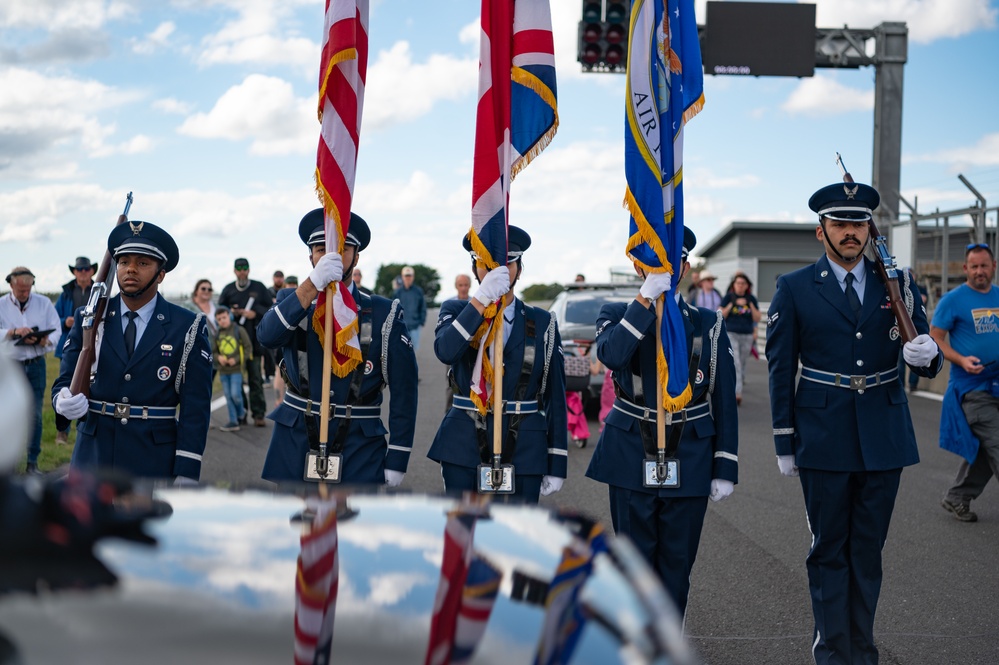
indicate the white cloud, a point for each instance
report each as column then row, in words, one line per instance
column 983, row 153
column 399, row 90
column 928, row 20
column 59, row 14
column 261, row 35
column 823, row 96
column 172, row 106
column 155, row 40
column 263, row 109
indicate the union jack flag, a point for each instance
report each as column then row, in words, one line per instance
column 465, row 595
column 316, row 586
column 664, row 90
column 515, row 120
column 343, row 70
column 564, row 617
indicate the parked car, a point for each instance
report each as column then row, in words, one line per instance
column 209, row 575
column 576, row 309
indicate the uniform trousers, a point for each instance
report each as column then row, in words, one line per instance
column 848, row 515
column 982, row 411
column 458, row 479
column 666, row 532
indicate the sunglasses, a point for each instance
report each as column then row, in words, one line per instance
column 246, row 267
column 976, row 245
column 205, row 288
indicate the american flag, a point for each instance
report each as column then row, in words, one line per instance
column 343, row 70
column 465, row 595
column 318, row 579
column 664, row 90
column 564, row 617
column 515, row 120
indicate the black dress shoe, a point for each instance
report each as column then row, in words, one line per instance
column 32, row 469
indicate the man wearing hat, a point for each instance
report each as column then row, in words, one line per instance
column 706, row 295
column 534, row 420
column 414, row 304
column 665, row 522
column 845, row 429
column 75, row 294
column 150, row 396
column 356, row 430
column 24, row 316
column 249, row 300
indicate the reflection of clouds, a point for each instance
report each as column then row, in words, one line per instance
column 535, row 526
column 372, row 537
column 391, row 588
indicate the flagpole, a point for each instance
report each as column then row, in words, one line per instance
column 324, row 409
column 660, row 409
column 498, row 384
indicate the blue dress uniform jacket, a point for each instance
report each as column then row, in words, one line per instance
column 156, row 447
column 810, row 321
column 709, row 446
column 287, row 327
column 541, row 442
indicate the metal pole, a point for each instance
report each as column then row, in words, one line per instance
column 913, row 229
column 979, row 217
column 945, row 264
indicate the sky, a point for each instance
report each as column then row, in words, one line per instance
column 206, row 111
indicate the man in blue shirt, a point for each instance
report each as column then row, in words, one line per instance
column 969, row 419
column 414, row 305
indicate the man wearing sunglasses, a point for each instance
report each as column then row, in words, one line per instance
column 969, row 418
column 249, row 300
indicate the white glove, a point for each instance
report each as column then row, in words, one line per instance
column 721, row 489
column 393, row 478
column 656, row 284
column 551, row 484
column 494, row 286
column 328, row 269
column 787, row 466
column 184, row 481
column 72, row 406
column 920, row 352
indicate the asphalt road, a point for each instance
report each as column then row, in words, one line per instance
column 749, row 598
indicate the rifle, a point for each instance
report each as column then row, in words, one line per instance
column 887, row 270
column 93, row 314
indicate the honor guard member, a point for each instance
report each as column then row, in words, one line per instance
column 534, row 419
column 356, row 430
column 665, row 522
column 845, row 429
column 150, row 397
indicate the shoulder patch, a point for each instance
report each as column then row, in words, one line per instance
column 601, row 328
column 772, row 319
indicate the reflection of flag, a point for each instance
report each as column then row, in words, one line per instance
column 477, row 600
column 342, row 74
column 665, row 89
column 515, row 120
column 465, row 595
column 316, row 588
column 564, row 617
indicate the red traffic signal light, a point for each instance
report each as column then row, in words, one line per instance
column 603, row 35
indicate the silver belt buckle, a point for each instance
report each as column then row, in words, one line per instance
column 122, row 411
column 858, row 382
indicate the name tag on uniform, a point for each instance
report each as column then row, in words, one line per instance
column 672, row 479
column 323, row 470
column 485, row 480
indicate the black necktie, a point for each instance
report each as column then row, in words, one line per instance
column 130, row 333
column 851, row 295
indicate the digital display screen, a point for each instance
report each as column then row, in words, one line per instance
column 759, row 39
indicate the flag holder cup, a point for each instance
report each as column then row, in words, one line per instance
column 495, row 478
column 662, row 472
column 323, row 468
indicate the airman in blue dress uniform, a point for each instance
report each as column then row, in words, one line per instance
column 665, row 522
column 846, row 427
column 150, row 405
column 388, row 359
column 534, row 419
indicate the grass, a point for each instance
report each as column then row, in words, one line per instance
column 53, row 456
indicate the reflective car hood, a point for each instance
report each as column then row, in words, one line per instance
column 221, row 585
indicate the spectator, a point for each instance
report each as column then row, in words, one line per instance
column 231, row 346
column 29, row 328
column 969, row 418
column 201, row 301
column 742, row 312
column 356, row 276
column 270, row 370
column 580, row 277
column 278, row 284
column 291, row 282
column 462, row 285
column 249, row 300
column 707, row 295
column 414, row 305
column 75, row 294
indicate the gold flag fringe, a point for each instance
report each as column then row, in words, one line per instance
column 340, row 56
column 671, row 404
column 529, row 80
column 339, row 342
column 645, row 234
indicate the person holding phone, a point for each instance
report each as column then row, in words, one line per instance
column 969, row 418
column 29, row 328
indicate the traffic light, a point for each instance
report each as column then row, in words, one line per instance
column 603, row 35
